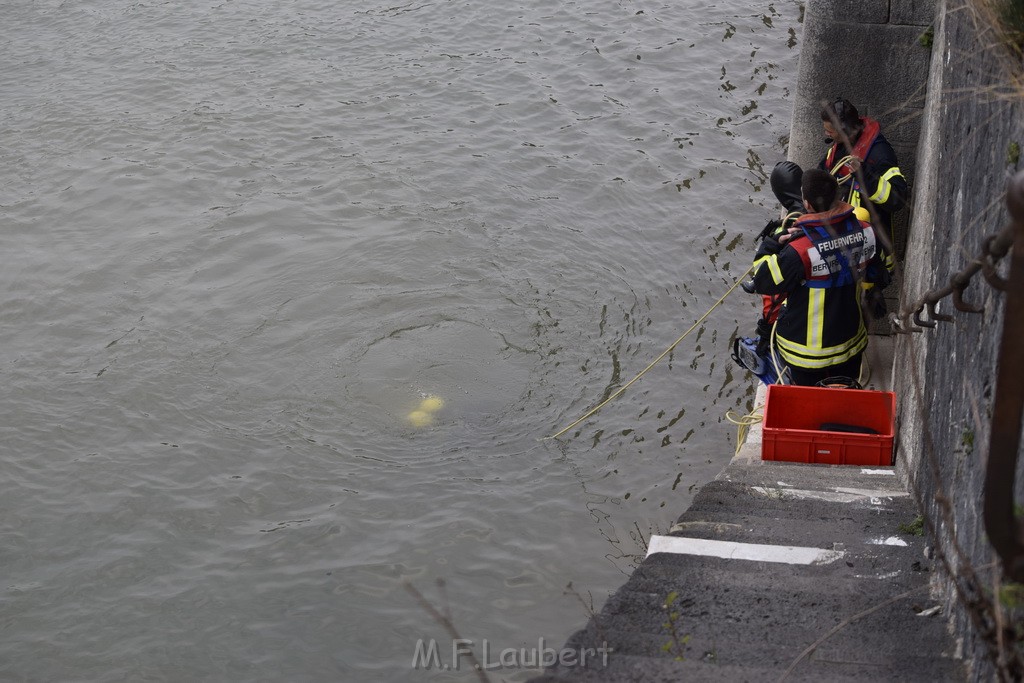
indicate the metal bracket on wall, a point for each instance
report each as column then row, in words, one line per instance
column 1005, row 531
column 995, row 248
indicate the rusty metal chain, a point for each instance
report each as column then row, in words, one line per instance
column 992, row 251
column 1005, row 531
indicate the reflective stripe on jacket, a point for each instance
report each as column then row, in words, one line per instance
column 886, row 184
column 820, row 324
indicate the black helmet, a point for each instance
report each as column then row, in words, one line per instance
column 785, row 181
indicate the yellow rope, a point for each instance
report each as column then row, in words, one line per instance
column 667, row 351
column 861, row 379
column 779, row 368
column 842, row 162
column 792, row 216
column 743, row 424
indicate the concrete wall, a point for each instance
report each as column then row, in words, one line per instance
column 869, row 52
column 952, row 113
column 944, row 377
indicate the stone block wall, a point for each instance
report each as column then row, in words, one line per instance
column 945, row 377
column 954, row 111
column 870, row 52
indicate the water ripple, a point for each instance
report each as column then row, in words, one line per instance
column 246, row 240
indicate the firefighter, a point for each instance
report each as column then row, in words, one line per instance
column 818, row 265
column 884, row 184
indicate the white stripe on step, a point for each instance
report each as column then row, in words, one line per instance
column 837, row 495
column 731, row 550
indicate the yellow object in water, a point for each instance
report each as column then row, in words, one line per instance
column 431, row 404
column 420, row 418
column 862, row 214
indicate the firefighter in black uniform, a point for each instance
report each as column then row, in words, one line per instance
column 884, row 184
column 818, row 264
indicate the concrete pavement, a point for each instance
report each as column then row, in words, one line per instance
column 781, row 571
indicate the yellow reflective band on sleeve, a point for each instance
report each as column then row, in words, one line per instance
column 772, row 260
column 884, row 189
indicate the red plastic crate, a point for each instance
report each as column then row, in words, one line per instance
column 793, row 416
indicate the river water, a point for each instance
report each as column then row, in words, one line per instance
column 243, row 241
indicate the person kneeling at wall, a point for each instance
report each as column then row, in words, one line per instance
column 818, row 264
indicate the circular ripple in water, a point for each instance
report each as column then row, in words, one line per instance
column 473, row 369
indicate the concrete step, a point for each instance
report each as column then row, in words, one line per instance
column 795, row 602
column 750, row 604
column 633, row 669
column 754, row 497
column 750, row 621
column 805, row 476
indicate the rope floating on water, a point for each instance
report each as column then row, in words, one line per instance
column 618, row 392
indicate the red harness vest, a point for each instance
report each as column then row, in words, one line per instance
column 836, row 250
column 860, row 148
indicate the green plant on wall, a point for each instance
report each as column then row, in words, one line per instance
column 676, row 646
column 1013, row 153
column 915, row 528
column 927, row 39
column 1011, row 595
column 967, row 441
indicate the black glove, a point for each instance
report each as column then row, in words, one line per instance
column 874, row 301
column 879, row 275
column 769, row 245
column 764, row 337
column 770, row 229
